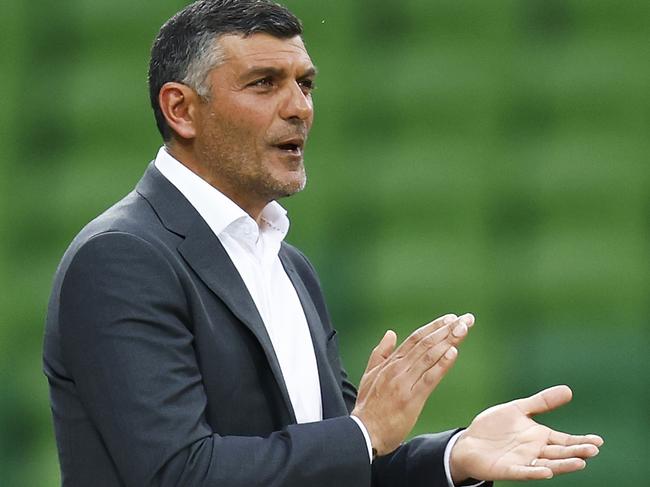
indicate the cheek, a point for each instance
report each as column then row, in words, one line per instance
column 228, row 129
column 241, row 127
column 249, row 126
column 253, row 111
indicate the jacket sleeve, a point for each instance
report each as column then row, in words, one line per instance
column 128, row 347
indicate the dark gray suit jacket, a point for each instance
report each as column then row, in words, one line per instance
column 161, row 371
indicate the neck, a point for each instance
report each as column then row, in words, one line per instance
column 183, row 154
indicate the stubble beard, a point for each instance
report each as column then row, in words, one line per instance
column 246, row 175
column 263, row 183
column 242, row 169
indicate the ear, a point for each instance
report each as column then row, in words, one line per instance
column 179, row 104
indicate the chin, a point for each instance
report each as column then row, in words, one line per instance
column 289, row 188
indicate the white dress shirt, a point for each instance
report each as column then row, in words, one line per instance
column 254, row 251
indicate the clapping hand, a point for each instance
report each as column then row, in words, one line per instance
column 398, row 381
column 504, row 443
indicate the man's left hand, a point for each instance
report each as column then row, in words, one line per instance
column 504, row 443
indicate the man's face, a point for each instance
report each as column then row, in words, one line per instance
column 251, row 133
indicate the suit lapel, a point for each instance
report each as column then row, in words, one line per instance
column 204, row 253
column 331, row 397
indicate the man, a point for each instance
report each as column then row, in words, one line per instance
column 187, row 344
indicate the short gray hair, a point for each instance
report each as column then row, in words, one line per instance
column 209, row 56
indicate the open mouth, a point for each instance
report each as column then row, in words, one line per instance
column 292, row 146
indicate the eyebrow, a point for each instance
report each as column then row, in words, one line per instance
column 276, row 72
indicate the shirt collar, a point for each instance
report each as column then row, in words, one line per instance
column 218, row 211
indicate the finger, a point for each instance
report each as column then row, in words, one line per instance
column 383, row 350
column 524, row 472
column 427, row 353
column 565, row 465
column 427, row 345
column 422, row 332
column 469, row 318
column 558, row 452
column 412, row 350
column 432, row 377
column 430, row 349
column 559, row 438
column 545, row 401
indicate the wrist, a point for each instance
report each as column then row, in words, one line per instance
column 373, row 437
column 457, row 461
column 371, row 451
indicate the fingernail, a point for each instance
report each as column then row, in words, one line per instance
column 469, row 319
column 598, row 439
column 449, row 319
column 460, row 330
column 451, row 353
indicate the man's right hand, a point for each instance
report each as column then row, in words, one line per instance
column 397, row 382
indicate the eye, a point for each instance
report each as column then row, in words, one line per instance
column 308, row 85
column 263, row 83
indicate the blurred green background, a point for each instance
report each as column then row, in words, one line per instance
column 467, row 156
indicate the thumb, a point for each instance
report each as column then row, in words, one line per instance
column 383, row 350
column 546, row 400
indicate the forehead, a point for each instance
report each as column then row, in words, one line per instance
column 262, row 49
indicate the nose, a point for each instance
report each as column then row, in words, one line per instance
column 297, row 104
